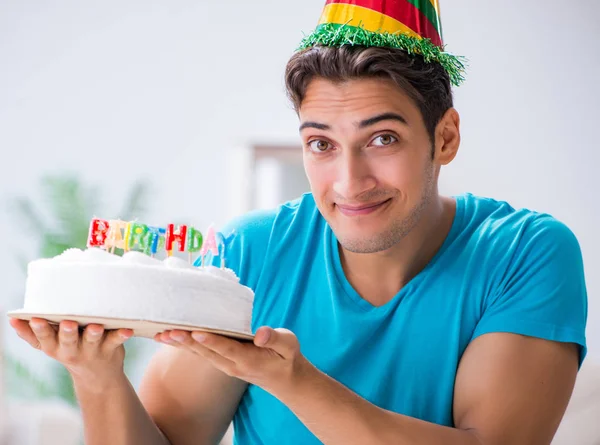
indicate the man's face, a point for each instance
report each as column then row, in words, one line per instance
column 367, row 156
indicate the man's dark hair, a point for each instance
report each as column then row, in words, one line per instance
column 427, row 84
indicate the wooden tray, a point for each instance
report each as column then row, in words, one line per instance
column 141, row 328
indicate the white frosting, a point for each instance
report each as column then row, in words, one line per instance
column 96, row 283
column 178, row 263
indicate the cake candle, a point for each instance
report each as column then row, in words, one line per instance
column 175, row 236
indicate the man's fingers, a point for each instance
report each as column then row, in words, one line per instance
column 218, row 361
column 24, row 331
column 116, row 338
column 68, row 339
column 165, row 337
column 222, row 359
column 92, row 337
column 226, row 347
column 46, row 336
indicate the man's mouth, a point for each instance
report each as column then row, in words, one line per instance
column 361, row 209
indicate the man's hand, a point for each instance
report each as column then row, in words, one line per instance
column 273, row 361
column 93, row 356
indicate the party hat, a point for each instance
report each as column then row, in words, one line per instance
column 411, row 25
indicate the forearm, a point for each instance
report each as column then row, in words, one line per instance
column 337, row 415
column 114, row 414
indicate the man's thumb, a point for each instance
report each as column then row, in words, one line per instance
column 282, row 341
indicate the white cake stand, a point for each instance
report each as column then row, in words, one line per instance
column 141, row 328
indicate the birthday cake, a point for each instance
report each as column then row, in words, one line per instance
column 120, row 277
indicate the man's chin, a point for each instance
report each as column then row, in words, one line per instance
column 364, row 241
column 362, row 246
column 353, row 228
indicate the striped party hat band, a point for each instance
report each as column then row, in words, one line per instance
column 410, row 25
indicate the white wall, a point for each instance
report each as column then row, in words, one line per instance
column 530, row 114
column 162, row 89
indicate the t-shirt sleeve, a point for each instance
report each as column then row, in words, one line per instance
column 543, row 293
column 247, row 238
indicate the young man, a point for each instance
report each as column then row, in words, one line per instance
column 384, row 312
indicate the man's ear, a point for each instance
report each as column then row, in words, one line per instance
column 447, row 137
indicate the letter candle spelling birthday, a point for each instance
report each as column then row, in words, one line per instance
column 115, row 238
column 210, row 245
column 175, row 236
column 97, row 236
column 137, row 234
column 224, row 242
column 133, row 235
column 158, row 239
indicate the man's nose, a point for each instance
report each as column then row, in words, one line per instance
column 354, row 176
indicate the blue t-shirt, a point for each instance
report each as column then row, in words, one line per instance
column 499, row 270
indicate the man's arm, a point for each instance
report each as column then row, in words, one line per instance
column 509, row 389
column 113, row 414
column 191, row 401
column 512, row 389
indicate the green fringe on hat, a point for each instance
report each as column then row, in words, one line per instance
column 330, row 34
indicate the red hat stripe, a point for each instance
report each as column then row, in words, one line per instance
column 400, row 10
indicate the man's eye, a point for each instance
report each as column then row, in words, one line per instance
column 384, row 139
column 319, row 146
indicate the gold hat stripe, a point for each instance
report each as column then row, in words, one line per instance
column 370, row 20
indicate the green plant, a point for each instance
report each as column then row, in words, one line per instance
column 61, row 221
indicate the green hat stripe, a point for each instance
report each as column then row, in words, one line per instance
column 334, row 35
column 428, row 11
